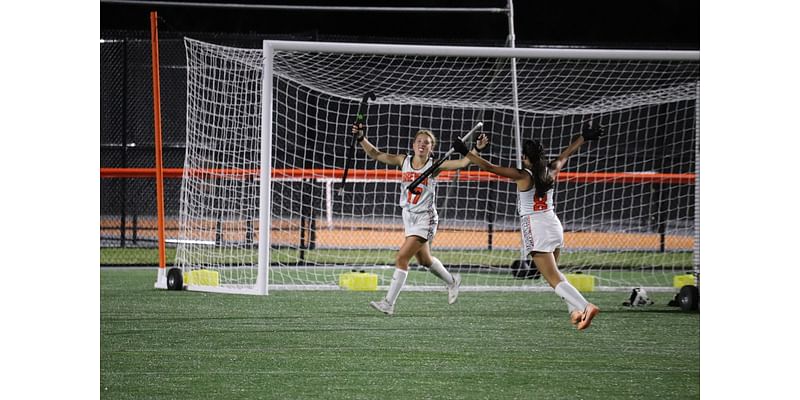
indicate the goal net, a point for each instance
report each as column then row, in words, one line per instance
column 270, row 211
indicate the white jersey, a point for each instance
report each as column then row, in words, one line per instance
column 528, row 203
column 424, row 197
column 540, row 227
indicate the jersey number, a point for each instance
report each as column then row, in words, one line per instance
column 413, row 196
column 539, row 203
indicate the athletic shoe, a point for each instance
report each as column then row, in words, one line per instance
column 452, row 290
column 588, row 314
column 383, row 306
column 575, row 317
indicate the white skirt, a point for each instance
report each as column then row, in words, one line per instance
column 422, row 224
column 541, row 232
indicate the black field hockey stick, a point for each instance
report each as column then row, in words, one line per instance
column 360, row 118
column 432, row 169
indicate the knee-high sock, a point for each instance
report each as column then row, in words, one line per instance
column 398, row 280
column 570, row 307
column 438, row 269
column 571, row 295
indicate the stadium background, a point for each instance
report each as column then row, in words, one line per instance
column 127, row 206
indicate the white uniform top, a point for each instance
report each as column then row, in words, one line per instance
column 424, row 198
column 540, row 227
column 528, row 203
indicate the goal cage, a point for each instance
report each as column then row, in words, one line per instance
column 268, row 139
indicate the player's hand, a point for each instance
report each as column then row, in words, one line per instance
column 359, row 131
column 592, row 131
column 460, row 146
column 482, row 142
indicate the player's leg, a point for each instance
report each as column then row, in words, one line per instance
column 425, row 225
column 425, row 258
column 546, row 234
column 410, row 247
column 546, row 263
column 452, row 281
column 575, row 315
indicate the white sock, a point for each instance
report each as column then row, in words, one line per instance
column 398, row 280
column 570, row 307
column 437, row 268
column 571, row 295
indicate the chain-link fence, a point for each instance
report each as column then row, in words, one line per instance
column 128, row 224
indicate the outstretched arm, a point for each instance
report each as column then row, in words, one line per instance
column 590, row 131
column 359, row 131
column 511, row 173
column 481, row 143
column 519, row 176
column 559, row 162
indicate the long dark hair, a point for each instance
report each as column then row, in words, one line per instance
column 541, row 178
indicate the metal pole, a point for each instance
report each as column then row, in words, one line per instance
column 514, row 93
column 162, row 263
column 123, row 217
column 265, row 176
column 515, row 101
column 485, row 52
column 696, row 255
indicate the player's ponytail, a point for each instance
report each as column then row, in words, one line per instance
column 541, row 179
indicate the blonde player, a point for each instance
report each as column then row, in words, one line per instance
column 419, row 212
column 542, row 233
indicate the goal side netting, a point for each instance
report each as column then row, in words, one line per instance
column 627, row 202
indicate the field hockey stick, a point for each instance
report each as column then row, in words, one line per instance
column 360, row 117
column 436, row 165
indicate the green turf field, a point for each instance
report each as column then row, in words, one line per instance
column 332, row 345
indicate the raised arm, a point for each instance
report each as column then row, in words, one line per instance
column 359, row 130
column 520, row 176
column 481, row 143
column 590, row 132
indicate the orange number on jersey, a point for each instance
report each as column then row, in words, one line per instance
column 539, row 203
column 417, row 194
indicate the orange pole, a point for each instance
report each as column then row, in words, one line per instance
column 162, row 258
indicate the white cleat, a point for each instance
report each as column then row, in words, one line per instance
column 383, row 306
column 452, row 290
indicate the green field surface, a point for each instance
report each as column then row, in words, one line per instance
column 158, row 344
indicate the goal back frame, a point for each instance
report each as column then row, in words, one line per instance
column 271, row 46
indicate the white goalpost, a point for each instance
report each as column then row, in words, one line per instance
column 264, row 205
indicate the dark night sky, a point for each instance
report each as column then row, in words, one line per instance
column 668, row 24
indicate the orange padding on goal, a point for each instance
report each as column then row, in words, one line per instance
column 395, row 175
